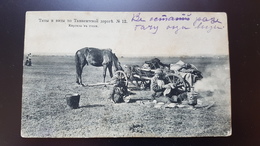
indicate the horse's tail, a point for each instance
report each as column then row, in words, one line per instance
column 77, row 60
column 80, row 62
column 78, row 68
column 80, row 56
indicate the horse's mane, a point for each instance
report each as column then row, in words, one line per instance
column 116, row 62
column 114, row 56
column 106, row 50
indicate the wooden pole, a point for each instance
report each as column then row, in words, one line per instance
column 98, row 84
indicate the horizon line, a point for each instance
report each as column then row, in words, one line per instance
column 122, row 56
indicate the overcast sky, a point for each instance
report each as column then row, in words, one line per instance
column 134, row 38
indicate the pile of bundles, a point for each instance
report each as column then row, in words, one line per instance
column 154, row 64
column 180, row 68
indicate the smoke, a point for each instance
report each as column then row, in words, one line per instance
column 216, row 80
column 214, row 90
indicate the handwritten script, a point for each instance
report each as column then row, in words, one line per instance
column 178, row 23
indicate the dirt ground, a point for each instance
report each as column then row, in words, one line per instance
column 46, row 114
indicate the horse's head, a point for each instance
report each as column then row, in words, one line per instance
column 116, row 62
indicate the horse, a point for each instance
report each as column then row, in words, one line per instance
column 95, row 57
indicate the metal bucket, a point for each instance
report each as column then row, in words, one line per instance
column 192, row 97
column 73, row 100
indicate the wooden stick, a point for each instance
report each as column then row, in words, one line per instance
column 209, row 106
column 98, row 84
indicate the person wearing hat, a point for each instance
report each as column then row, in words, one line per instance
column 158, row 87
column 119, row 89
column 28, row 60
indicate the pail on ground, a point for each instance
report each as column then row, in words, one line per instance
column 73, row 100
column 192, row 97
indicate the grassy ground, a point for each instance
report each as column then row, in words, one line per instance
column 46, row 114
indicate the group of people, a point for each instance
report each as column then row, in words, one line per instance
column 162, row 89
column 28, row 61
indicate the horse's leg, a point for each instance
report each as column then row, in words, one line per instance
column 79, row 74
column 80, row 63
column 110, row 70
column 104, row 72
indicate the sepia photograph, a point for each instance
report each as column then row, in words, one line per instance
column 126, row 74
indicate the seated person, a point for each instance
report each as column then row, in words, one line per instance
column 119, row 90
column 158, row 87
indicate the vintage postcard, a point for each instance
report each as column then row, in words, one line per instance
column 126, row 74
